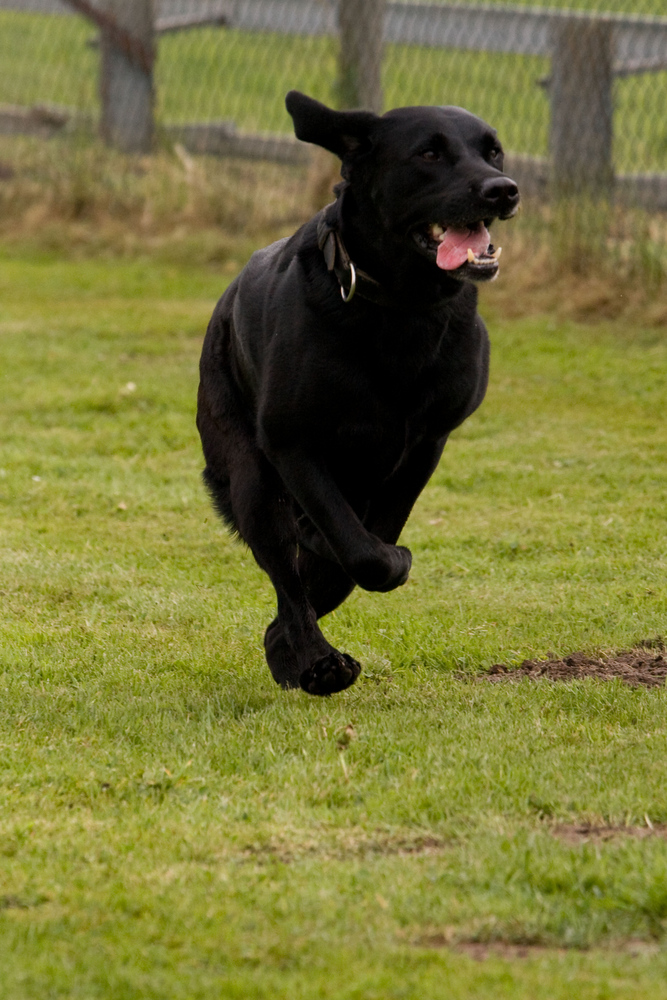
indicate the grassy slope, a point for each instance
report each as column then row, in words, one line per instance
column 214, row 74
column 172, row 825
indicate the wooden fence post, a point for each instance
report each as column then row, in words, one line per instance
column 361, row 28
column 126, row 80
column 582, row 106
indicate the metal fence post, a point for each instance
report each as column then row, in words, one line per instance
column 582, row 105
column 361, row 27
column 126, row 79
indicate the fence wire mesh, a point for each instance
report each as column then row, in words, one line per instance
column 175, row 108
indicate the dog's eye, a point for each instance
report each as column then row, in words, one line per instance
column 496, row 152
column 430, row 155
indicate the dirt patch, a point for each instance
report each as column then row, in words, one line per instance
column 512, row 951
column 448, row 937
column 421, row 845
column 11, row 902
column 344, row 847
column 584, row 833
column 481, row 950
column 643, row 667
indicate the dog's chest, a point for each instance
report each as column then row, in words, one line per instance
column 419, row 383
column 391, row 411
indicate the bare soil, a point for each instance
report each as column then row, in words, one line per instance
column 643, row 667
column 587, row 833
column 511, row 951
column 481, row 950
column 351, row 844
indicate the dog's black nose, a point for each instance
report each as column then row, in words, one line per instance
column 500, row 191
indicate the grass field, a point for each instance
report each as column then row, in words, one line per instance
column 242, row 76
column 174, row 826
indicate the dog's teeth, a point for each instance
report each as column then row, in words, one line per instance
column 496, row 253
column 437, row 230
column 471, row 256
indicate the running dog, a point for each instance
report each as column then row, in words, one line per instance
column 341, row 358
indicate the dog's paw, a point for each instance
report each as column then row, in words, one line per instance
column 386, row 573
column 331, row 673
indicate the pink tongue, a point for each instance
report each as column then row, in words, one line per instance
column 453, row 251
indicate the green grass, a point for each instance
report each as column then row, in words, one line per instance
column 243, row 76
column 174, row 826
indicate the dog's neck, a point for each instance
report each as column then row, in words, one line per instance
column 402, row 271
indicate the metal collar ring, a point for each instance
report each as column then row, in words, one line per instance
column 353, row 285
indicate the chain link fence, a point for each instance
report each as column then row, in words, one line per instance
column 151, row 108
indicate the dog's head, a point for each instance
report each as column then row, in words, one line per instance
column 434, row 176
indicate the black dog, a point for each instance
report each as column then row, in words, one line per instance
column 338, row 362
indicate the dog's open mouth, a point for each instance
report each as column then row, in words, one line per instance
column 463, row 251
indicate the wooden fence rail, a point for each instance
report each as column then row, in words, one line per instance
column 475, row 27
column 586, row 50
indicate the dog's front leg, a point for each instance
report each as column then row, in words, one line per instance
column 391, row 508
column 371, row 563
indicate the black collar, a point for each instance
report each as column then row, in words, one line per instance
column 352, row 280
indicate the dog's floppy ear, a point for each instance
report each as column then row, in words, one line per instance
column 341, row 132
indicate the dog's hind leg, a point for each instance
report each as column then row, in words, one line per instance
column 326, row 586
column 250, row 496
column 297, row 653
